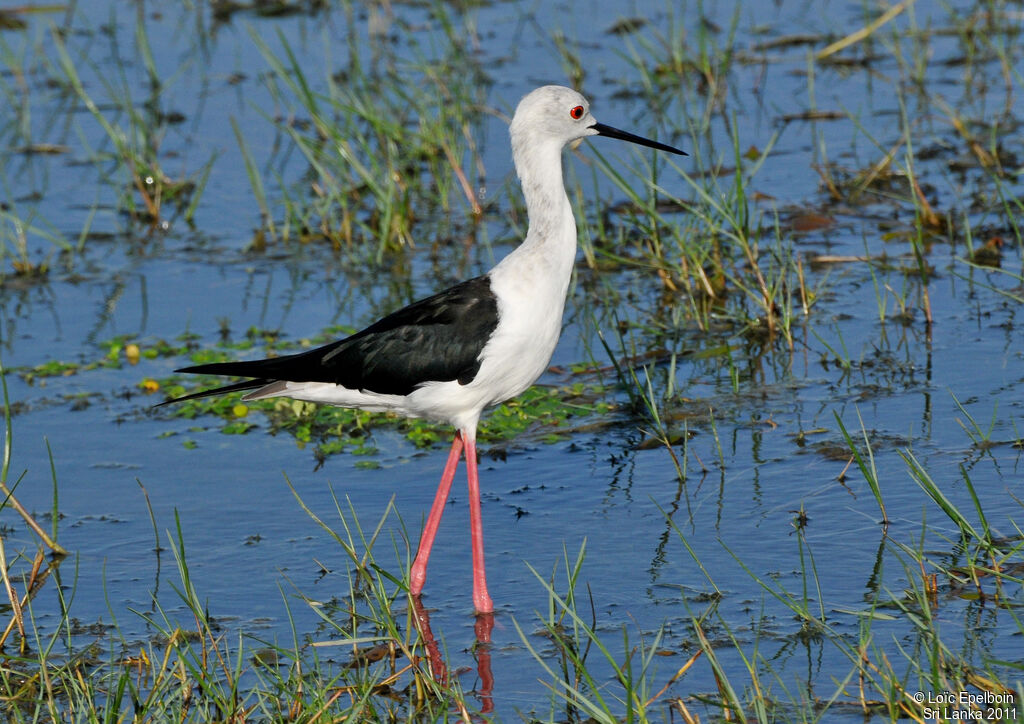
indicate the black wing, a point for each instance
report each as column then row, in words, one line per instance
column 438, row 339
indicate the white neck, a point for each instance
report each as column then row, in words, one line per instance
column 552, row 231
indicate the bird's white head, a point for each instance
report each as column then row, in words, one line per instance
column 554, row 114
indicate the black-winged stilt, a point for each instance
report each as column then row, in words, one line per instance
column 477, row 344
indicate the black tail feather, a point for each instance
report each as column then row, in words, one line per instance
column 246, row 385
column 251, row 368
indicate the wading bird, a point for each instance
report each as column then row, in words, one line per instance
column 452, row 355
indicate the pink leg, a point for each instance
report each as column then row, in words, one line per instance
column 481, row 599
column 418, row 574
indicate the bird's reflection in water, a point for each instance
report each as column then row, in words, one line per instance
column 481, row 651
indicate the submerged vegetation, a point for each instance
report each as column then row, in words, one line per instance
column 822, row 299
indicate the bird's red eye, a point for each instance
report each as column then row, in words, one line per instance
column 577, row 112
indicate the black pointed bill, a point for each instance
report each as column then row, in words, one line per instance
column 603, row 130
